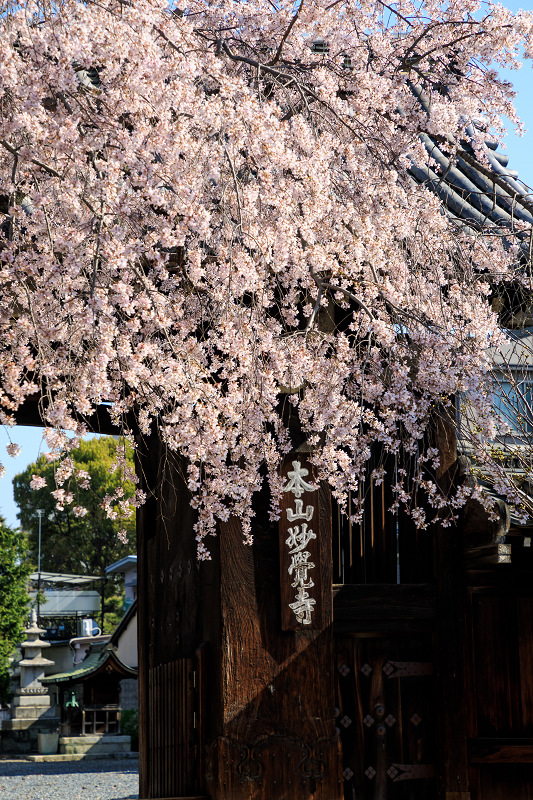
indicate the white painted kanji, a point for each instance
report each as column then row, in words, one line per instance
column 296, row 483
column 298, row 539
column 303, row 607
column 300, row 513
column 300, row 566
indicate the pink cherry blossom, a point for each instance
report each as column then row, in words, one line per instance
column 209, row 221
column 37, row 482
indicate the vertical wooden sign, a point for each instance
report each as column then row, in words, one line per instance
column 300, row 547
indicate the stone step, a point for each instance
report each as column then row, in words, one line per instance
column 78, row 757
column 94, row 744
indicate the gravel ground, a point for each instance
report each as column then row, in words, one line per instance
column 69, row 780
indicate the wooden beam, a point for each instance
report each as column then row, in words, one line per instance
column 500, row 751
column 384, row 607
column 29, row 414
column 513, row 578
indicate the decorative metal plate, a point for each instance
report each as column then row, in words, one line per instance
column 410, row 772
column 407, row 669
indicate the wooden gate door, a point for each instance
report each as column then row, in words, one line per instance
column 501, row 660
column 386, row 699
column 434, row 660
column 395, row 652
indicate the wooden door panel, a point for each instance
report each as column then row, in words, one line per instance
column 501, row 664
column 505, row 782
column 497, row 666
column 385, row 717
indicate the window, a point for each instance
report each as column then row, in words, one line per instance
column 513, row 400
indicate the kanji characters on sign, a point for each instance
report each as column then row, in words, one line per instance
column 299, row 538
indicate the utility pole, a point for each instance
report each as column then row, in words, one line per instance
column 40, row 513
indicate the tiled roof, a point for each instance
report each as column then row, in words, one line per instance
column 95, row 660
column 475, row 193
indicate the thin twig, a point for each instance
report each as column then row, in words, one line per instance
column 96, row 260
column 348, row 294
column 235, row 183
column 14, row 170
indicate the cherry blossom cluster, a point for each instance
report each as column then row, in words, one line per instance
column 209, row 224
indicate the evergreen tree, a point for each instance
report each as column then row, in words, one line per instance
column 71, row 543
column 15, row 568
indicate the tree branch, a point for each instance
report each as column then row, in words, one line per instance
column 16, row 153
column 286, row 34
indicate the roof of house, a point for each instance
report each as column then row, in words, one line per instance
column 101, row 659
column 65, row 579
column 120, row 566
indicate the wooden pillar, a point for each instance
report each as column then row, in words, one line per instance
column 275, row 735
column 452, row 695
column 169, row 630
column 146, row 468
column 232, row 705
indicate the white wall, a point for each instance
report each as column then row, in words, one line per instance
column 127, row 644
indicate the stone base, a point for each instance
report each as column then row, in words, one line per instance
column 33, row 712
column 31, row 700
column 94, row 745
column 42, row 724
column 19, row 736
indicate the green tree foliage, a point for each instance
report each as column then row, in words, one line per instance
column 71, row 543
column 15, row 568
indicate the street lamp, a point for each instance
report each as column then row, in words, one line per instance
column 40, row 513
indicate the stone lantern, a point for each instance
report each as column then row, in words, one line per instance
column 32, row 701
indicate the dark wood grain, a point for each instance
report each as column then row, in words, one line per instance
column 505, row 782
column 169, row 629
column 501, row 751
column 386, row 716
column 277, row 700
column 451, row 661
column 146, row 458
column 510, row 578
column 384, row 607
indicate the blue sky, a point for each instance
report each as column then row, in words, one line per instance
column 29, row 440
column 520, row 151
